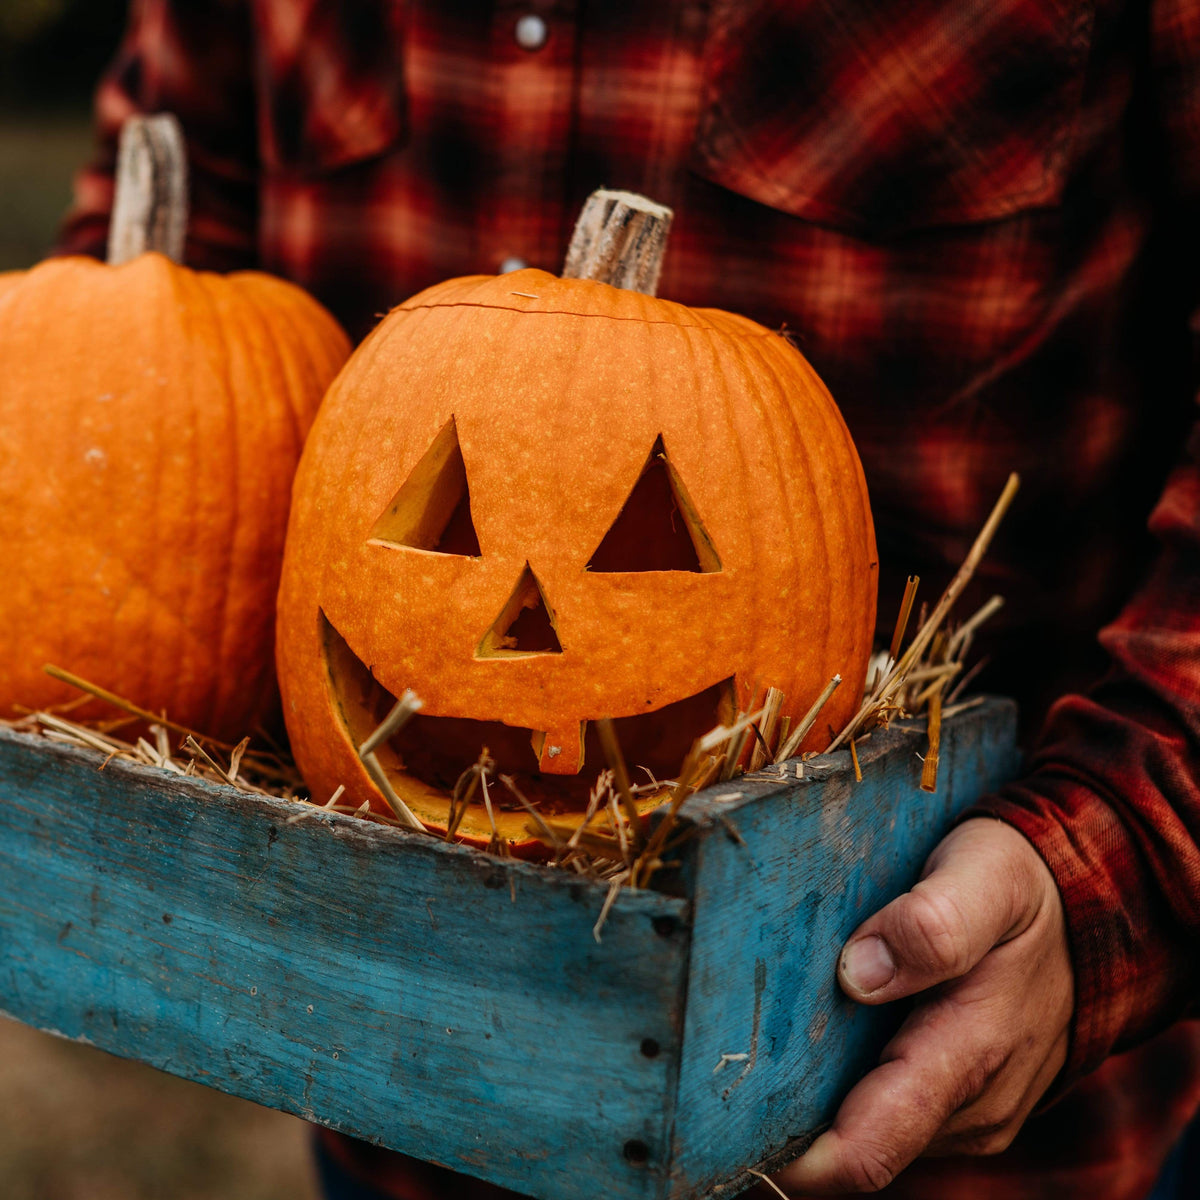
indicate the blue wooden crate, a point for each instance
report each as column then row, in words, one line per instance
column 456, row 1006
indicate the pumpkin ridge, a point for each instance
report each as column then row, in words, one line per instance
column 284, row 380
column 294, row 388
column 164, row 281
column 145, row 574
column 837, row 418
column 738, row 451
column 834, row 429
column 566, row 312
column 280, row 366
column 789, row 510
column 269, row 317
column 235, row 352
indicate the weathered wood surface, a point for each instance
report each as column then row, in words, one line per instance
column 799, row 866
column 456, row 1006
column 427, row 997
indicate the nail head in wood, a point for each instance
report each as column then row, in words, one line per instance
column 621, row 239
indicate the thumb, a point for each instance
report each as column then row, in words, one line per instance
column 980, row 889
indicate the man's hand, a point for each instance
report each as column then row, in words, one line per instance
column 984, row 930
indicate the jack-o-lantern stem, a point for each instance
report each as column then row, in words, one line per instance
column 620, row 238
column 150, row 205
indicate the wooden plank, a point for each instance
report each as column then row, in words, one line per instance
column 423, row 996
column 455, row 1006
column 797, row 866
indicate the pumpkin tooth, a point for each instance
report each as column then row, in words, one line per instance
column 560, row 751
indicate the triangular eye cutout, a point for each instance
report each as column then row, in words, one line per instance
column 432, row 511
column 524, row 626
column 657, row 528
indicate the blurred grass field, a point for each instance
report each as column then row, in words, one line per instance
column 39, row 154
column 82, row 1125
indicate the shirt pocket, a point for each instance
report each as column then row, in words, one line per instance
column 882, row 117
column 331, row 82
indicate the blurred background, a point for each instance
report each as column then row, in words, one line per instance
column 51, row 53
column 79, row 1125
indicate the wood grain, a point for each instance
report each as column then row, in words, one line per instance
column 456, row 1006
column 423, row 996
column 799, row 866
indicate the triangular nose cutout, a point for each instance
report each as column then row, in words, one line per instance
column 432, row 510
column 657, row 528
column 525, row 624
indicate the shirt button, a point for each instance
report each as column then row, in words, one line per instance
column 531, row 32
column 512, row 264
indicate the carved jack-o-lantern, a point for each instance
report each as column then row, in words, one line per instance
column 537, row 502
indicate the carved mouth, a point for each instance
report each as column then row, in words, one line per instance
column 427, row 757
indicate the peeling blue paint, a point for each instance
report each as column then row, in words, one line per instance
column 454, row 1006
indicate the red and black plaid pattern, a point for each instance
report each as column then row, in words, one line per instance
column 867, row 114
column 978, row 219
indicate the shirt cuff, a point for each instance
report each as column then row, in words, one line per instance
column 1121, row 955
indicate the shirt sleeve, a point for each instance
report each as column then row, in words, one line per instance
column 1113, row 798
column 192, row 58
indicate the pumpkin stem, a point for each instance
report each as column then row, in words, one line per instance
column 620, row 238
column 150, row 207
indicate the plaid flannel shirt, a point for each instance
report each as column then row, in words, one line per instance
column 979, row 220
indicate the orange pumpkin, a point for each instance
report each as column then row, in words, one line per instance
column 538, row 501
column 152, row 418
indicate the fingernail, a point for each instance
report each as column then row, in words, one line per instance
column 867, row 964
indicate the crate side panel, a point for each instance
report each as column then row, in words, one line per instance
column 771, row 1043
column 446, row 1004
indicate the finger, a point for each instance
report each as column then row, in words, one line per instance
column 857, row 1155
column 1015, row 1006
column 892, row 1114
column 989, row 1125
column 980, row 890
